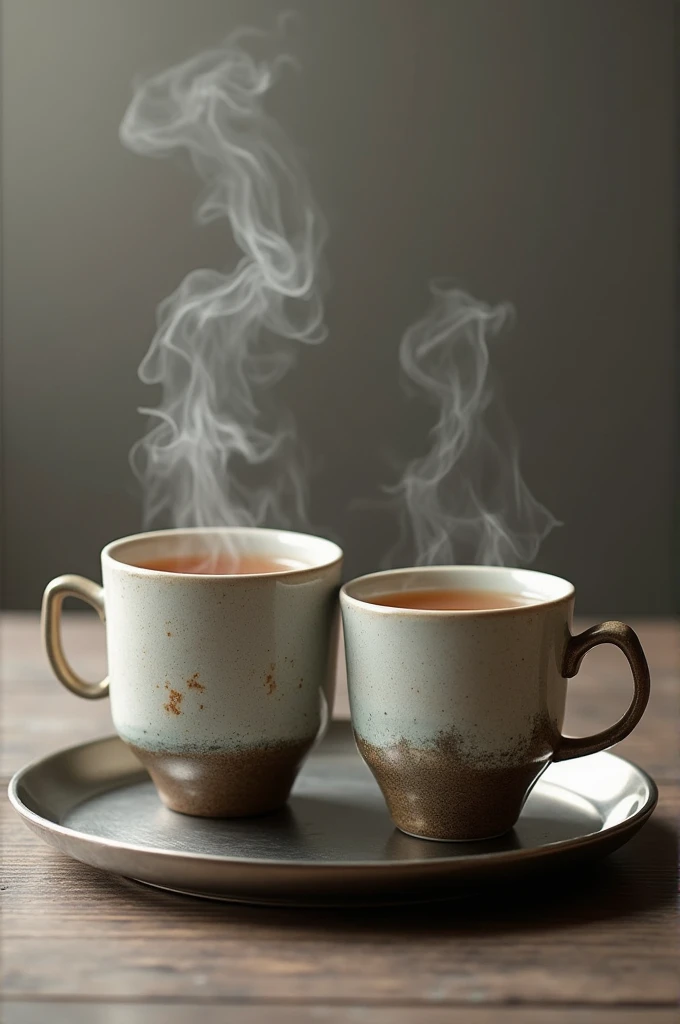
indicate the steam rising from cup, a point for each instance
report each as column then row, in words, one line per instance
column 218, row 451
column 464, row 500
column 213, row 455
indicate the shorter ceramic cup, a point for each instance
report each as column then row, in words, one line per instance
column 219, row 683
column 457, row 713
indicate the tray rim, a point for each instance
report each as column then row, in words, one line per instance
column 501, row 857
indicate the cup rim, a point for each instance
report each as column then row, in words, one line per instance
column 347, row 597
column 335, row 553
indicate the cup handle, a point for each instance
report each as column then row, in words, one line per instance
column 55, row 594
column 623, row 637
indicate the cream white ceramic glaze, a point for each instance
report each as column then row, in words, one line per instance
column 487, row 675
column 201, row 663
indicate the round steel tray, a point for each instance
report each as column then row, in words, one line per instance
column 334, row 842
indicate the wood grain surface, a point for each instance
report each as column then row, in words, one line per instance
column 174, row 1013
column 598, row 944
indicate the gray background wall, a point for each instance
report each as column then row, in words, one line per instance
column 523, row 145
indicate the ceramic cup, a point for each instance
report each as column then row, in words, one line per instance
column 457, row 713
column 219, row 683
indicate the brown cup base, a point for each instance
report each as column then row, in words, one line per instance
column 432, row 795
column 457, row 839
column 225, row 784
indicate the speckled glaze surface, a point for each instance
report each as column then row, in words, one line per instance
column 221, row 684
column 457, row 713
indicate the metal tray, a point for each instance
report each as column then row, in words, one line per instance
column 333, row 844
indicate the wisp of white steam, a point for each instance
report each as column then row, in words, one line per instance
column 224, row 338
column 464, row 500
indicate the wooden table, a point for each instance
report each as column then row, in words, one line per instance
column 83, row 947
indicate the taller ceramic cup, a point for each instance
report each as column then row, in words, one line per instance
column 219, row 683
column 458, row 712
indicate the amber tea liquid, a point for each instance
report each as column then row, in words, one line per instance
column 221, row 565
column 451, row 600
